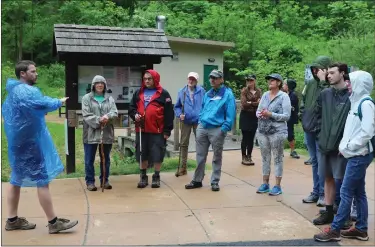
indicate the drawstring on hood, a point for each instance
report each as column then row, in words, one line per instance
column 362, row 84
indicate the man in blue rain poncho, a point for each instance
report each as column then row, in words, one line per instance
column 32, row 156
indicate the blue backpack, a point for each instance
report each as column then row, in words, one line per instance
column 360, row 117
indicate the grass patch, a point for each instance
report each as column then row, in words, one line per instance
column 120, row 165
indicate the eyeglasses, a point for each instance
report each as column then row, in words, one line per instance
column 147, row 78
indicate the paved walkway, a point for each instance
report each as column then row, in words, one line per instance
column 172, row 215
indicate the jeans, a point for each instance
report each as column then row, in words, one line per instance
column 353, row 186
column 312, row 146
column 338, row 183
column 90, row 152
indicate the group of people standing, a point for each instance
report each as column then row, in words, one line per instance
column 338, row 117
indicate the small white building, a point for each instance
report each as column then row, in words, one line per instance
column 190, row 55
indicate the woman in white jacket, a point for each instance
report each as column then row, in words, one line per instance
column 356, row 147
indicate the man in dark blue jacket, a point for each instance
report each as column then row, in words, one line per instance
column 187, row 109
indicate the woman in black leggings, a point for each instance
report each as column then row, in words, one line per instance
column 250, row 97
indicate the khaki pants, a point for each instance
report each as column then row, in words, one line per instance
column 185, row 137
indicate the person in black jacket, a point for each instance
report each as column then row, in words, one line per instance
column 289, row 86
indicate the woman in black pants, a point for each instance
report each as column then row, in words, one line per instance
column 250, row 97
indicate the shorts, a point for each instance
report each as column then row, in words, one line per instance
column 331, row 165
column 290, row 132
column 153, row 147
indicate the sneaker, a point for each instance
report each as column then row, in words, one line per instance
column 264, row 188
column 321, row 202
column 323, row 219
column 354, row 233
column 308, row 162
column 312, row 198
column 294, row 155
column 19, row 224
column 155, row 181
column 276, row 190
column 215, row 187
column 143, row 182
column 91, row 187
column 107, row 186
column 61, row 225
column 328, row 235
column 193, row 185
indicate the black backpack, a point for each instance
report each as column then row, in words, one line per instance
column 360, row 117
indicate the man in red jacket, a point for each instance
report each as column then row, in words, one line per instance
column 151, row 108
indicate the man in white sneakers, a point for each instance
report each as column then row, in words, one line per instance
column 356, row 146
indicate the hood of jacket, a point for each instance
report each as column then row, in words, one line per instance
column 96, row 79
column 11, row 83
column 156, row 77
column 361, row 84
column 321, row 62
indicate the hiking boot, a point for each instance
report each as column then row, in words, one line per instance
column 354, row 233
column 308, row 162
column 335, row 209
column 19, row 224
column 323, row 219
column 61, row 225
column 155, row 181
column 245, row 161
column 276, row 190
column 328, row 235
column 251, row 162
column 107, row 186
column 182, row 171
column 215, row 187
column 143, row 182
column 91, row 187
column 312, row 198
column 193, row 185
column 294, row 155
column 321, row 202
column 264, row 188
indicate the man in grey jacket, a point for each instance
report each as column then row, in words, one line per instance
column 98, row 109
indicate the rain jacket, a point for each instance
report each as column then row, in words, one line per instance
column 158, row 115
column 191, row 109
column 218, row 109
column 310, row 94
column 32, row 155
column 357, row 133
column 92, row 111
column 333, row 106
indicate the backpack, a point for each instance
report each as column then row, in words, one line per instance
column 360, row 117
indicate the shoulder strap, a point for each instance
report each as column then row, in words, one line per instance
column 360, row 106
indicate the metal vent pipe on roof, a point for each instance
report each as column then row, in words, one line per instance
column 160, row 22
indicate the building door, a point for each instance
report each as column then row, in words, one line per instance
column 206, row 71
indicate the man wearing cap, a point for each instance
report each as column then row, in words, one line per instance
column 289, row 87
column 187, row 109
column 215, row 120
column 310, row 95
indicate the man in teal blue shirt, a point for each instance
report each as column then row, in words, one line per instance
column 215, row 120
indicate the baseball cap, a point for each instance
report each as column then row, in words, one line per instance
column 216, row 74
column 193, row 74
column 274, row 76
column 250, row 77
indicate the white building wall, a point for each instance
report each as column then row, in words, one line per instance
column 191, row 58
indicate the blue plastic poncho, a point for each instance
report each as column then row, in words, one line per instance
column 32, row 155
